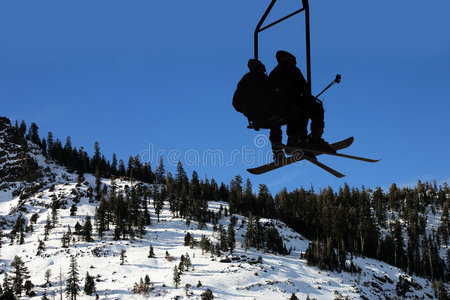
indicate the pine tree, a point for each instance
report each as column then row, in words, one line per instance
column 160, row 172
column 207, row 295
column 130, row 168
column 205, row 244
column 194, row 197
column 399, row 244
column 122, row 256
column 96, row 158
column 147, row 218
column 181, row 186
column 33, row 134
column 187, row 239
column 48, row 273
column 72, row 283
column 44, row 147
column 117, row 233
column 78, row 229
column 80, row 178
column 87, row 229
column 248, row 198
column 231, row 240
column 151, row 254
column 223, row 238
column 89, row 285
column 28, row 287
column 235, row 197
column 444, row 227
column 47, row 228
column 176, row 277
column 181, row 264
column 141, row 225
column 114, row 164
column 18, row 227
column 55, row 206
column 187, row 262
column 18, row 274
column 216, row 250
column 157, row 203
column 21, row 236
column 121, row 170
column 98, row 184
column 6, row 286
column 50, row 144
column 101, row 217
column 68, row 152
column 73, row 210
column 22, row 128
column 264, row 202
column 64, row 239
column 250, row 233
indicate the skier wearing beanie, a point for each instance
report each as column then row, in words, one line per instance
column 290, row 94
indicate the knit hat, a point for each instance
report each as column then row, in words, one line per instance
column 283, row 55
column 255, row 65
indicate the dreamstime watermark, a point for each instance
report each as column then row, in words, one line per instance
column 260, row 153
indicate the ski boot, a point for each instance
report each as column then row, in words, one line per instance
column 297, row 141
column 319, row 143
column 278, row 154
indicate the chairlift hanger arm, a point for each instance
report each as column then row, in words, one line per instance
column 282, row 19
column 258, row 27
column 308, row 53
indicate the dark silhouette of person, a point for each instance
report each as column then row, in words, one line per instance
column 252, row 93
column 254, row 98
column 292, row 99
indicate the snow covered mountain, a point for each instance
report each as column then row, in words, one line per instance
column 31, row 185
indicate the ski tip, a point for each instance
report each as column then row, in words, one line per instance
column 371, row 160
column 350, row 140
column 251, row 171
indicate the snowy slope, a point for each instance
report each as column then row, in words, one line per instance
column 277, row 277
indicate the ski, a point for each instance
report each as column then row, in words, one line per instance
column 317, row 152
column 314, row 160
column 292, row 159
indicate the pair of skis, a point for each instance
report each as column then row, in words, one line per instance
column 310, row 154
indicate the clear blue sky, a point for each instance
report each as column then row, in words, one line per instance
column 130, row 74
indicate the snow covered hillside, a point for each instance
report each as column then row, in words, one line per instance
column 275, row 277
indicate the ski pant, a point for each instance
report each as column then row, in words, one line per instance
column 297, row 125
column 276, row 135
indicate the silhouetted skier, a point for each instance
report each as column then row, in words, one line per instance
column 291, row 94
column 252, row 93
column 254, row 98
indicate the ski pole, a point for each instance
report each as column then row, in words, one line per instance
column 336, row 80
